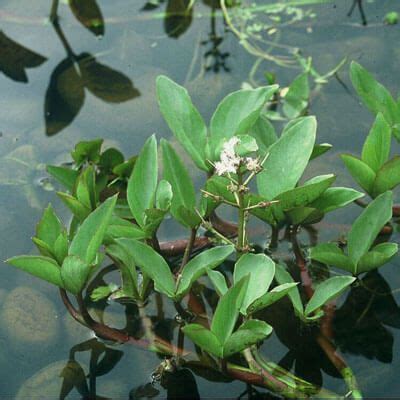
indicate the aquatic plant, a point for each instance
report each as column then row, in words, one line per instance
column 118, row 206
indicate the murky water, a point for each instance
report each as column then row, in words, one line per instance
column 46, row 106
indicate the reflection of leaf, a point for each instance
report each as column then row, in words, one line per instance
column 147, row 391
column 178, row 17
column 359, row 323
column 88, row 13
column 181, row 385
column 14, row 59
column 152, row 5
column 64, row 97
column 104, row 82
column 74, row 376
column 65, row 94
column 108, row 362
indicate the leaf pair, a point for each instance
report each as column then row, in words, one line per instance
column 374, row 172
column 221, row 340
column 70, row 267
column 324, row 292
column 235, row 115
column 360, row 257
column 65, row 94
column 155, row 267
column 376, row 97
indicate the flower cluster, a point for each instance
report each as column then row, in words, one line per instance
column 230, row 160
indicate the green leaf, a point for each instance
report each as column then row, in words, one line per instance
column 110, row 159
column 44, row 248
column 295, row 101
column 142, row 184
column 49, row 227
column 374, row 95
column 102, row 292
column 127, row 267
column 61, row 247
column 367, row 226
column 74, row 274
column 327, row 291
column 86, row 188
column 264, row 133
column 376, row 148
column 360, row 171
column 283, row 277
column 236, row 114
column 152, row 264
column 303, row 195
column 330, row 254
column 87, row 151
column 261, row 271
column 90, row 234
column 288, row 157
column 271, row 297
column 247, row 145
column 177, row 175
column 78, row 209
column 183, row 119
column 319, row 150
column 42, row 267
column 66, row 176
column 219, row 282
column 303, row 215
column 379, row 255
column 164, row 195
column 388, row 176
column 198, row 266
column 204, row 338
column 227, row 311
column 334, row 198
column 121, row 228
column 248, row 334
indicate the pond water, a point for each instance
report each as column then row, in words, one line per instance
column 45, row 108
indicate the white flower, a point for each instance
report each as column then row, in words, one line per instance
column 229, row 160
column 252, row 164
column 228, row 148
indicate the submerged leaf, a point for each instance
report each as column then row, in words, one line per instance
column 65, row 96
column 88, row 13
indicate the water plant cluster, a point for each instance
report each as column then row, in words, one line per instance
column 118, row 205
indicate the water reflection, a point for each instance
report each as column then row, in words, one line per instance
column 359, row 4
column 87, row 12
column 178, row 17
column 361, row 322
column 15, row 59
column 65, row 94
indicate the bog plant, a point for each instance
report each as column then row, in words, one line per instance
column 118, row 205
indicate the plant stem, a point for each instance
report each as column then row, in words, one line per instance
column 188, row 250
column 301, row 263
column 273, row 243
column 241, row 239
column 53, row 11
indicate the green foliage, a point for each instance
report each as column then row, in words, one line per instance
column 375, row 96
column 374, row 172
column 119, row 204
column 360, row 239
